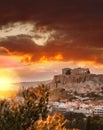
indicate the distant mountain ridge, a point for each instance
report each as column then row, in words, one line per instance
column 27, row 84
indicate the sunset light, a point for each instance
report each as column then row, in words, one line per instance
column 5, row 83
column 6, row 86
column 38, row 39
column 51, row 54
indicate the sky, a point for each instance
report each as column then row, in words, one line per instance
column 40, row 37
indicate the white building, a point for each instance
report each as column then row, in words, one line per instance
column 98, row 110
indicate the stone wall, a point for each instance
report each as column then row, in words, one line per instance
column 76, row 71
column 80, row 71
column 66, row 71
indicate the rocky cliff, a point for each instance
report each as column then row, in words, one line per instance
column 79, row 79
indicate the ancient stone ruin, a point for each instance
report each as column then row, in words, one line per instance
column 78, row 80
column 77, row 75
column 68, row 71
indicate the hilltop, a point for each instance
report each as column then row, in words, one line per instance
column 79, row 80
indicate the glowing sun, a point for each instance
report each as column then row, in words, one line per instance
column 7, row 89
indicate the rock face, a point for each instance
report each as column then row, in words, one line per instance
column 78, row 77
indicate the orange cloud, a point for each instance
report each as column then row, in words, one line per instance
column 26, row 58
column 23, row 48
column 57, row 57
column 4, row 51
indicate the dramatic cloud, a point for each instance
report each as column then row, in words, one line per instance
column 3, row 51
column 54, row 51
column 43, row 31
column 16, row 10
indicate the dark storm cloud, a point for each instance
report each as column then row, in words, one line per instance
column 50, row 11
column 79, row 21
column 3, row 51
column 23, row 45
column 20, row 44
